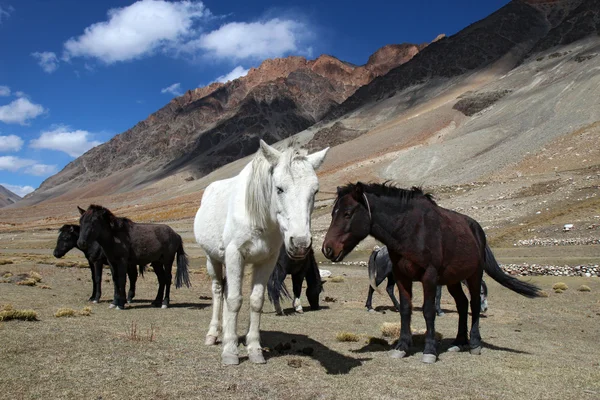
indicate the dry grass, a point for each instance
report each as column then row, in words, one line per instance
column 132, row 333
column 560, row 285
column 559, row 291
column 8, row 313
column 65, row 312
column 4, row 261
column 543, row 293
column 336, row 279
column 35, row 276
column 347, row 337
column 44, row 287
column 584, row 288
column 27, row 282
column 392, row 329
column 71, row 264
column 7, row 275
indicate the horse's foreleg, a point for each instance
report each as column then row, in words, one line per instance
column 234, row 268
column 438, row 301
column 159, row 271
column 215, row 271
column 97, row 281
column 297, row 280
column 93, row 271
column 260, row 276
column 133, row 275
column 121, row 271
column 462, row 305
column 484, row 292
column 405, row 341
column 390, row 291
column 115, row 279
column 429, row 282
column 474, row 283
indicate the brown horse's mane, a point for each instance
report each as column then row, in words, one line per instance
column 117, row 222
column 387, row 189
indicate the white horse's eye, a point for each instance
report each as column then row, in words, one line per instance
column 279, row 190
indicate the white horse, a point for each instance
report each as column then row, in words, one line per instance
column 244, row 220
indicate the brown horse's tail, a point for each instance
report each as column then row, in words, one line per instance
column 182, row 277
column 493, row 269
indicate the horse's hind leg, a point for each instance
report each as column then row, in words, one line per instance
column 429, row 281
column 234, row 269
column 168, row 279
column 93, row 270
column 369, row 302
column 260, row 276
column 474, row 283
column 297, row 280
column 438, row 301
column 215, row 271
column 160, row 272
column 97, row 281
column 133, row 275
column 484, row 293
column 390, row 291
column 405, row 341
column 462, row 306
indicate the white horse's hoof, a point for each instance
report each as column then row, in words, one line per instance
column 476, row 351
column 300, row 310
column 256, row 357
column 210, row 340
column 372, row 311
column 455, row 349
column 94, row 301
column 230, row 359
column 164, row 306
column 111, row 305
column 396, row 353
column 119, row 308
column 429, row 358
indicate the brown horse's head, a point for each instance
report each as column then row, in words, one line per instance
column 96, row 221
column 350, row 222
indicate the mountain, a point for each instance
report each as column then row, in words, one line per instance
column 7, row 197
column 211, row 126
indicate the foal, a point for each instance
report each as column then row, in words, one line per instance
column 427, row 243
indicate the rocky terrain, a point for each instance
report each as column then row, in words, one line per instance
column 7, row 197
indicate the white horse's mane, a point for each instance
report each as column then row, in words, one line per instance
column 260, row 185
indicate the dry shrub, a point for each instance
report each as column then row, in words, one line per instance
column 4, row 261
column 7, row 275
column 65, row 312
column 337, row 279
column 8, row 313
column 70, row 264
column 558, row 291
column 133, row 334
column 86, row 311
column 584, row 288
column 346, row 337
column 27, row 282
column 44, row 287
column 35, row 276
column 560, row 285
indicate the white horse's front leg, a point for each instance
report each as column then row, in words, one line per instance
column 234, row 266
column 260, row 276
column 215, row 270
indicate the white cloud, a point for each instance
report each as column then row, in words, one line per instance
column 13, row 164
column 5, row 12
column 10, row 143
column 20, row 111
column 20, row 94
column 18, row 190
column 62, row 138
column 137, row 30
column 4, row 91
column 174, row 89
column 47, row 60
column 41, row 170
column 237, row 72
column 254, row 40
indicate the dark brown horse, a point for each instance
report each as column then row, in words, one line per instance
column 126, row 244
column 426, row 243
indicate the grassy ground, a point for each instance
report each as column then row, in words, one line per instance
column 543, row 348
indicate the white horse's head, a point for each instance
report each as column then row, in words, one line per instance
column 286, row 183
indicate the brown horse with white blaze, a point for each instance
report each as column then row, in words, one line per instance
column 426, row 243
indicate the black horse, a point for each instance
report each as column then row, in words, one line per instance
column 300, row 270
column 426, row 243
column 126, row 244
column 380, row 266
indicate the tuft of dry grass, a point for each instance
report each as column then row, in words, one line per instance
column 65, row 312
column 133, row 333
column 44, row 287
column 558, row 291
column 4, row 261
column 35, row 276
column 27, row 282
column 347, row 337
column 86, row 311
column 543, row 293
column 584, row 288
column 71, row 264
column 7, row 275
column 8, row 313
column 560, row 285
column 336, row 279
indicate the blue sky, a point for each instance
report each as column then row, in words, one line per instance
column 75, row 73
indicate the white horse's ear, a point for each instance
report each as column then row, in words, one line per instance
column 270, row 153
column 316, row 159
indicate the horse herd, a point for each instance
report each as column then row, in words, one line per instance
column 262, row 216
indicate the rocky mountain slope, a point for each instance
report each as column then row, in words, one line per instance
column 211, row 126
column 7, row 197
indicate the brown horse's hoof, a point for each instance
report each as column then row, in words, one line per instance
column 256, row 357
column 396, row 353
column 210, row 340
column 476, row 351
column 230, row 359
column 429, row 358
